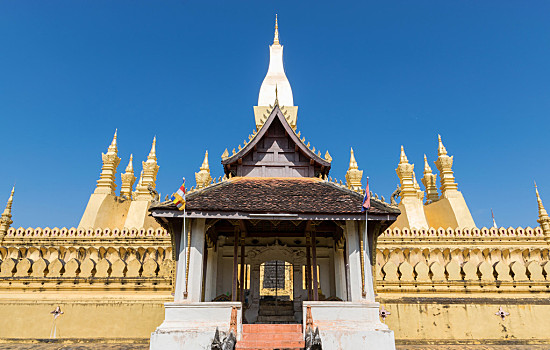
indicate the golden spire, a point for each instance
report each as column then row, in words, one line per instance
column 429, row 180
column 444, row 164
column 128, row 180
column 353, row 175
column 112, row 146
column 543, row 220
column 106, row 183
column 441, row 150
column 405, row 172
column 153, row 153
column 205, row 165
column 352, row 161
column 276, row 38
column 276, row 97
column 203, row 177
column 130, row 166
column 5, row 219
column 427, row 169
column 403, row 158
column 147, row 181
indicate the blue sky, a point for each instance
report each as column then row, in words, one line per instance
column 371, row 75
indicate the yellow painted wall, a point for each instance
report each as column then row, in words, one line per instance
column 85, row 316
column 473, row 319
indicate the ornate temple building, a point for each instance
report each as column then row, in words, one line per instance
column 275, row 248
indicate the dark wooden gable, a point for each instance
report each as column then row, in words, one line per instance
column 276, row 151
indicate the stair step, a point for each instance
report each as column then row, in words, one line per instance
column 276, row 319
column 272, row 328
column 276, row 312
column 261, row 344
column 273, row 336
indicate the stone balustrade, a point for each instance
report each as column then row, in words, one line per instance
column 475, row 232
column 84, row 233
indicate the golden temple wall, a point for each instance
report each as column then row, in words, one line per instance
column 439, row 285
column 108, row 283
column 447, row 285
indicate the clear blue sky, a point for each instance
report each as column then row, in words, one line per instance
column 372, row 75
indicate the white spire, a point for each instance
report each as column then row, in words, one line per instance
column 275, row 77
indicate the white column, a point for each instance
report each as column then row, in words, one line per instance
column 182, row 262
column 354, row 261
column 369, row 286
column 331, row 271
column 340, row 273
column 195, row 261
column 211, row 273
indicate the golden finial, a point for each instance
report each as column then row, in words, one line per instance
column 130, row 167
column 153, row 153
column 543, row 220
column 234, row 152
column 205, row 165
column 5, row 219
column 276, row 97
column 441, row 150
column 328, row 158
column 352, row 161
column 225, row 154
column 128, row 179
column 427, row 169
column 113, row 147
column 353, row 175
column 276, row 38
column 203, row 177
column 403, row 158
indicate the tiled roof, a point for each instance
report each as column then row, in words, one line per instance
column 280, row 195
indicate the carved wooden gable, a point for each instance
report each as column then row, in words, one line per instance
column 276, row 151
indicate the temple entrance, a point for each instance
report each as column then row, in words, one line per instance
column 276, row 293
column 276, row 281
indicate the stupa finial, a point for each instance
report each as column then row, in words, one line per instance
column 276, row 38
column 5, row 219
column 128, row 179
column 444, row 164
column 203, row 177
column 429, row 180
column 403, row 157
column 441, row 150
column 205, row 165
column 353, row 175
column 153, row 153
column 106, row 183
column 543, row 220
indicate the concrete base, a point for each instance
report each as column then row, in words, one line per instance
column 349, row 325
column 193, row 325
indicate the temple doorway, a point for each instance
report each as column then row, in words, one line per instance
column 276, row 281
column 276, row 304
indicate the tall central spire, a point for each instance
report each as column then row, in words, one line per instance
column 275, row 76
column 276, row 38
column 275, row 79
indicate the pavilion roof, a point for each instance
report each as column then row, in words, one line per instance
column 279, row 195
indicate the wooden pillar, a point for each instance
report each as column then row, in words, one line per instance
column 242, row 279
column 315, row 277
column 235, row 265
column 308, row 268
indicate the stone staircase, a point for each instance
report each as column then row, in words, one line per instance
column 271, row 337
column 271, row 312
